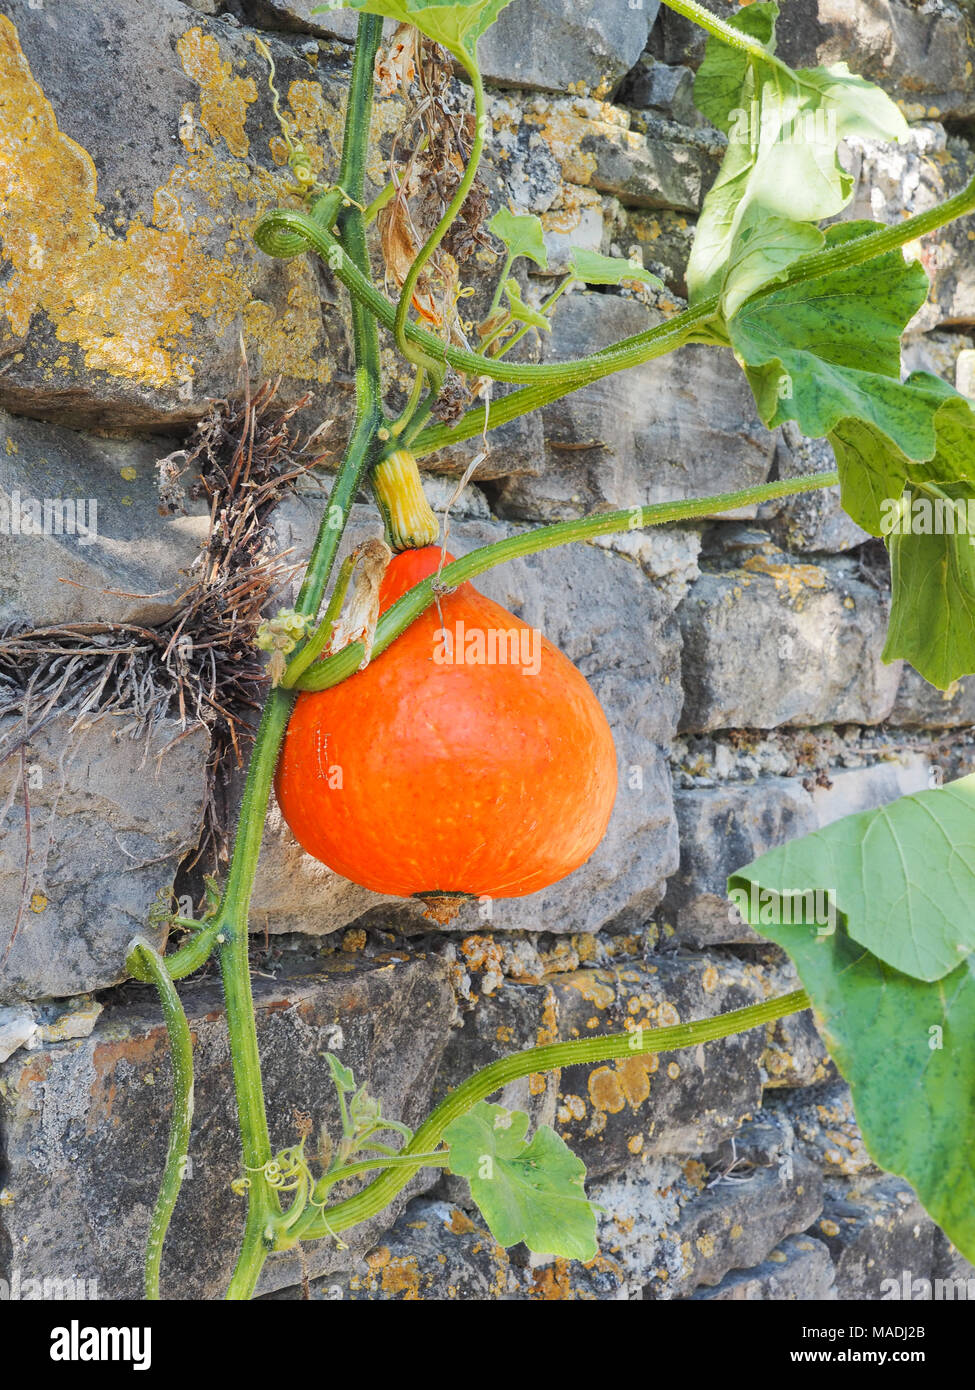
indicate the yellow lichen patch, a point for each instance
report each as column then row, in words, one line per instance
column 634, row 1080
column 224, row 98
column 567, row 214
column 282, row 336
column 707, row 1244
column 460, row 1224
column 572, row 1108
column 402, row 1276
column 790, row 579
column 695, row 1173
column 128, row 299
column 829, row 1228
column 635, row 1143
column 563, row 132
column 595, row 986
column 605, row 1090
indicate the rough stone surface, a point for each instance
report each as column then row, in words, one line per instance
column 721, row 829
column 614, row 1113
column 110, row 818
column 825, row 1128
column 101, row 551
column 812, row 522
column 683, row 425
column 875, row 1229
column 726, row 826
column 894, row 180
column 821, row 631
column 76, row 1116
column 669, row 90
column 125, row 302
column 674, row 1227
column 554, row 44
column 920, row 705
column 798, row 1269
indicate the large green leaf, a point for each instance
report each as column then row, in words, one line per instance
column 932, row 617
column 457, row 26
column 901, row 879
column 781, row 174
column 827, row 349
column 907, row 1050
column 874, row 471
column 930, row 527
column 526, row 1192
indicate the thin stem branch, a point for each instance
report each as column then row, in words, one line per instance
column 415, row 601
column 149, row 964
column 437, row 235
column 639, row 1043
column 263, row 1203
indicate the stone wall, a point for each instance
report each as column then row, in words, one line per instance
column 738, row 661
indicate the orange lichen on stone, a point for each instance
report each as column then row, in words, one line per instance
column 695, row 1172
column 402, row 1276
column 128, row 300
column 224, row 98
column 605, row 1091
column 634, row 1079
column 460, row 1224
column 790, row 579
column 596, row 987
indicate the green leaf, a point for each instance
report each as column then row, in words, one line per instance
column 874, row 471
column 457, row 26
column 522, row 311
column 932, row 618
column 907, row 1049
column 526, row 1192
column 901, row 879
column 781, row 174
column 828, row 349
column 342, row 1076
column 522, row 235
column 724, row 71
column 607, row 270
column 930, row 527
column 893, row 983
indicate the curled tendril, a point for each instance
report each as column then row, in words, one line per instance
column 299, row 160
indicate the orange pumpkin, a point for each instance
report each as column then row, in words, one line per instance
column 439, row 772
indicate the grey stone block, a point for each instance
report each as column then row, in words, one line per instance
column 680, row 426
column 799, row 1269
column 132, row 270
column 85, row 1122
column 95, row 547
column 774, row 642
column 110, row 818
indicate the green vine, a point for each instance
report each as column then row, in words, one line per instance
column 286, row 1201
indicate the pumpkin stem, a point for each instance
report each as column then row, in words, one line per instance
column 442, row 908
column 409, row 518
